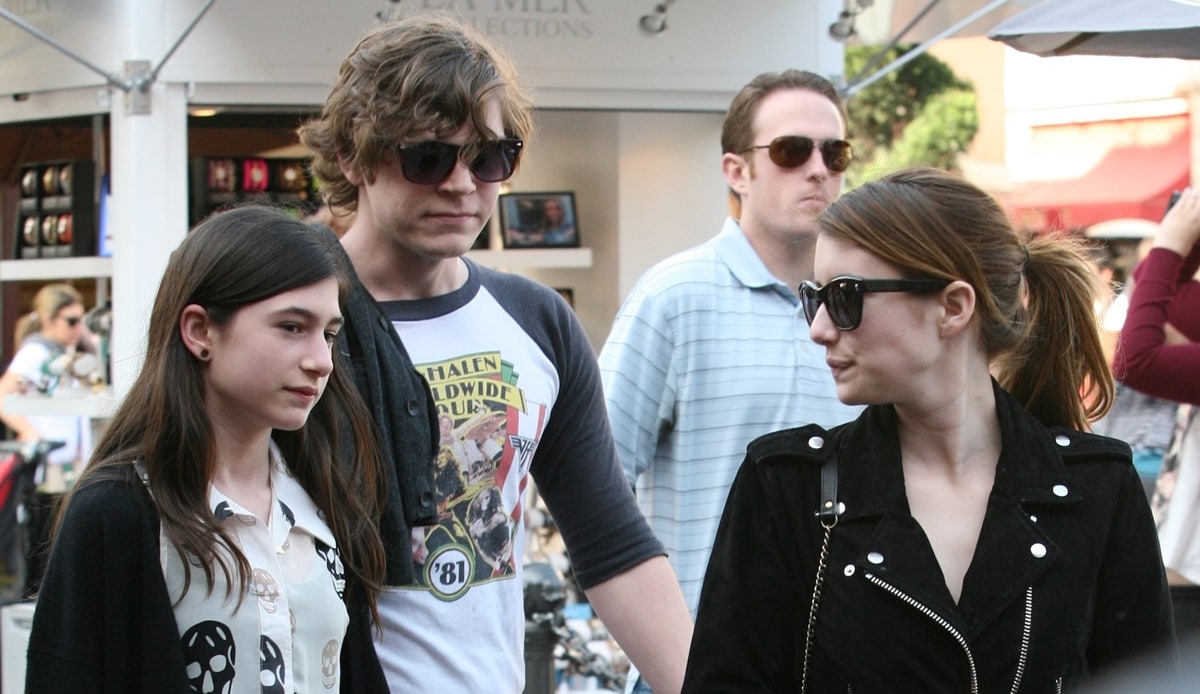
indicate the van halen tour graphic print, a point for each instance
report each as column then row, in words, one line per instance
column 488, row 435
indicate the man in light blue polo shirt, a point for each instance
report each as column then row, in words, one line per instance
column 711, row 349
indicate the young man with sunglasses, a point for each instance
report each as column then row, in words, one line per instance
column 425, row 122
column 711, row 349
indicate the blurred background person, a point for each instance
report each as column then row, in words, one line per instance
column 50, row 344
column 1167, row 295
column 1141, row 420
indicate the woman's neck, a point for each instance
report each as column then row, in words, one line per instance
column 960, row 434
column 243, row 473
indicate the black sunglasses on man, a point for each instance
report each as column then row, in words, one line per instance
column 431, row 162
column 791, row 151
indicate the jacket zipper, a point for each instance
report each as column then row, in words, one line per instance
column 954, row 633
column 1026, row 628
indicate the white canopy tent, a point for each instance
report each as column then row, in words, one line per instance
column 1142, row 28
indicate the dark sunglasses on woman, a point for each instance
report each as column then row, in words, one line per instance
column 843, row 296
column 791, row 151
column 431, row 162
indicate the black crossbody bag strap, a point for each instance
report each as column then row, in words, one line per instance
column 827, row 512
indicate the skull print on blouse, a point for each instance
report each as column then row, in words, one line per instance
column 291, row 612
column 333, row 564
column 211, row 657
column 272, row 669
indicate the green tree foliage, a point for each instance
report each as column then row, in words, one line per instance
column 919, row 114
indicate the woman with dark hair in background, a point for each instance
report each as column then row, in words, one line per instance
column 210, row 542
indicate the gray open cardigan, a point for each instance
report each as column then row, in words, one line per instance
column 404, row 413
column 402, row 405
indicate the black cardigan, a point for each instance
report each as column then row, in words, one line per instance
column 104, row 581
column 406, row 419
column 104, row 620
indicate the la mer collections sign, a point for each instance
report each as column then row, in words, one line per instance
column 573, row 53
column 581, row 53
column 524, row 19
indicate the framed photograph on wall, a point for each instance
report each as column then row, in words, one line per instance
column 539, row 220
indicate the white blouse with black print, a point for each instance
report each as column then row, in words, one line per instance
column 286, row 636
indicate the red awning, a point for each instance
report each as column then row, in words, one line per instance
column 1129, row 182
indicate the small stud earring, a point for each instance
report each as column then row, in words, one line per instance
column 204, row 354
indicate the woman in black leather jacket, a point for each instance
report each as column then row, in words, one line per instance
column 973, row 538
